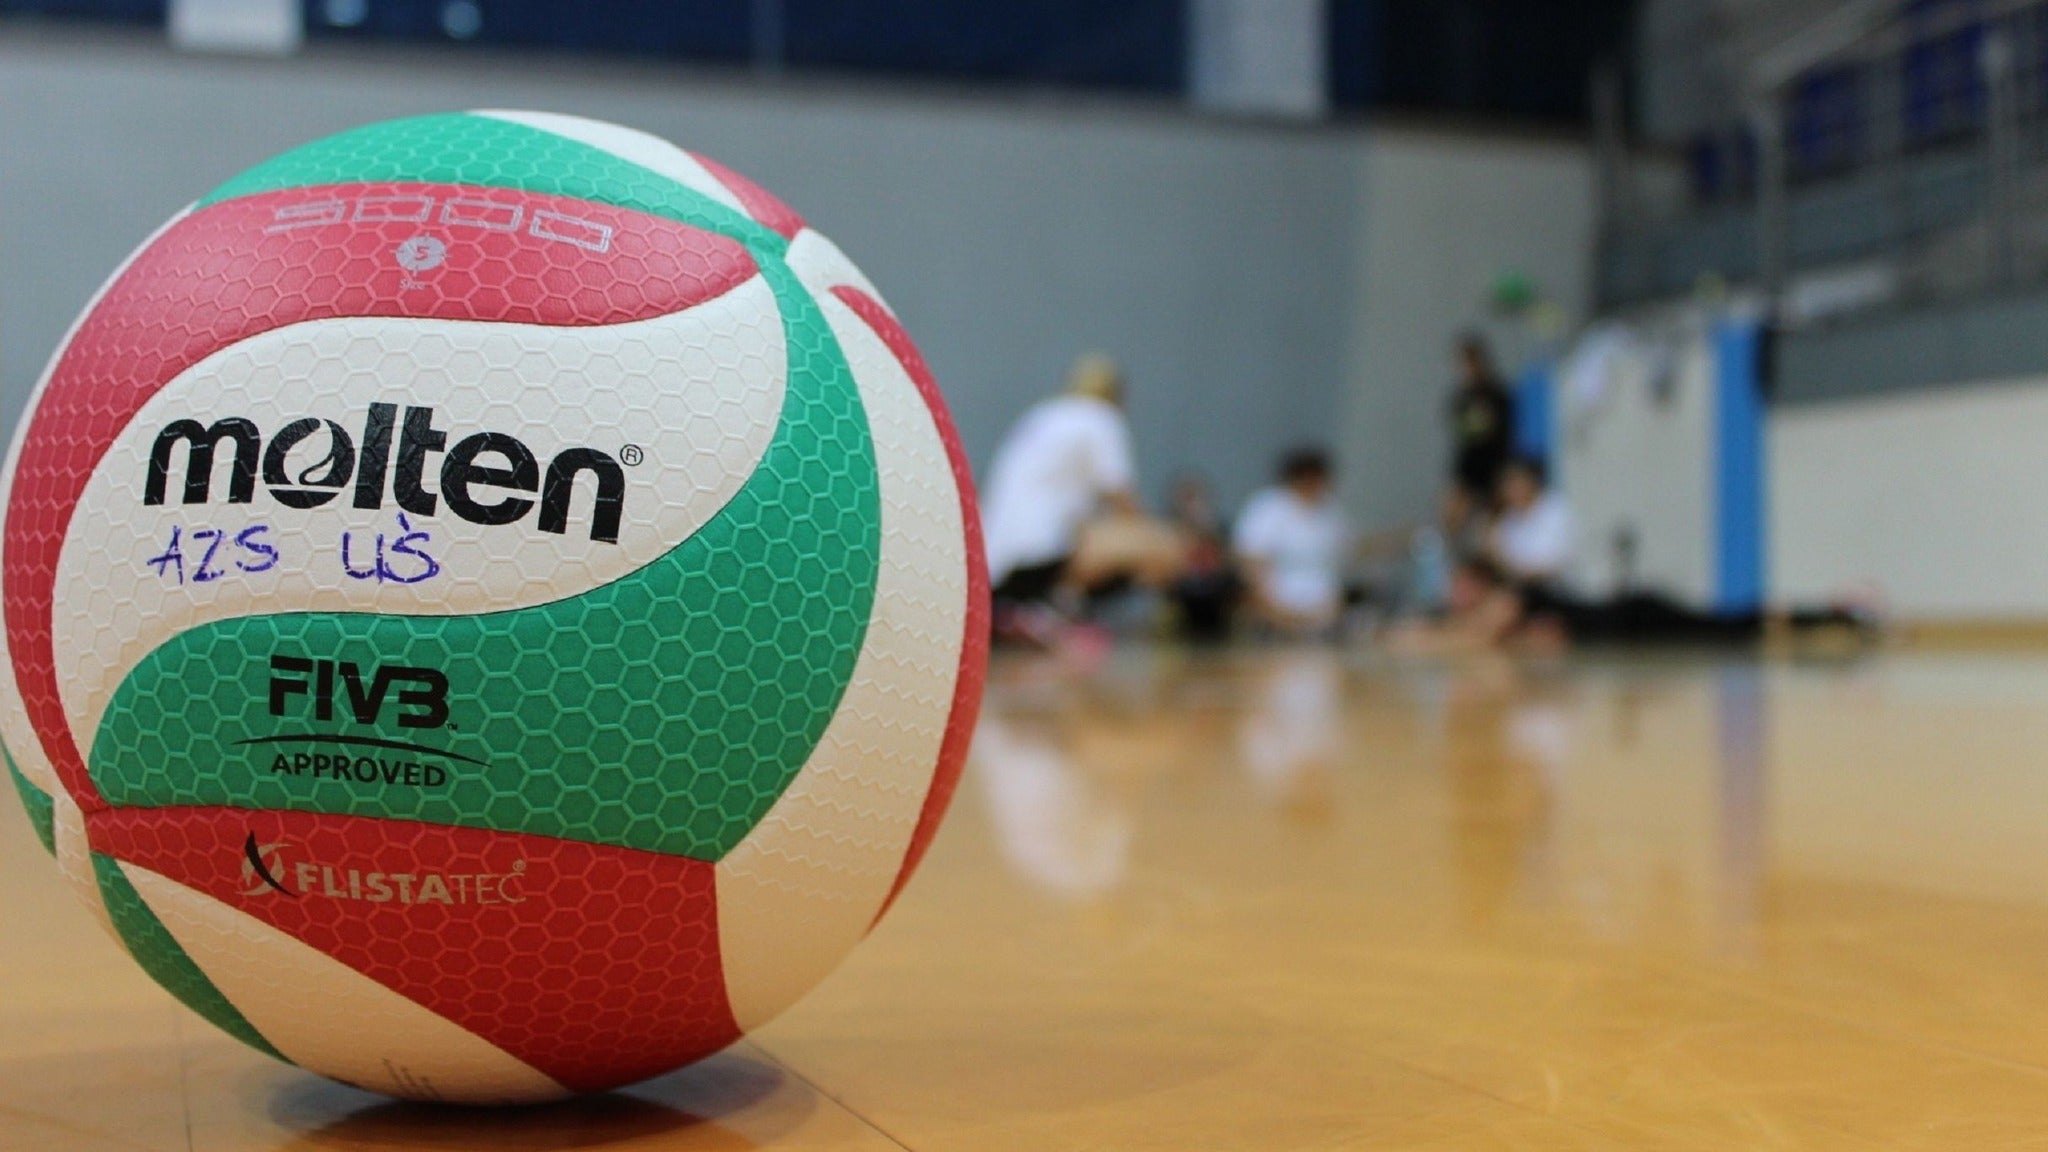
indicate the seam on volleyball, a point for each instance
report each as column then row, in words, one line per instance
column 12, row 685
column 554, row 124
column 218, row 890
column 971, row 671
column 706, row 519
column 841, row 848
column 761, row 206
column 230, row 349
column 25, row 426
column 731, row 224
column 28, row 411
column 351, row 188
column 858, row 642
column 126, row 866
column 100, row 847
column 743, row 214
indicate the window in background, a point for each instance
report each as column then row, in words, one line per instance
column 133, row 11
column 1495, row 59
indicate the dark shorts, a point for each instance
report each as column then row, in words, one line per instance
column 1033, row 584
column 1478, row 475
column 1638, row 618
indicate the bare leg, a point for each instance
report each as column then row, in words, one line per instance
column 1148, row 552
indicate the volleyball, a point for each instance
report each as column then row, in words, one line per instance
column 494, row 607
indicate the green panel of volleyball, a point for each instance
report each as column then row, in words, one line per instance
column 665, row 711
column 141, row 932
column 455, row 148
column 42, row 812
column 158, row 952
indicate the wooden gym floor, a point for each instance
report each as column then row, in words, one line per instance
column 1305, row 900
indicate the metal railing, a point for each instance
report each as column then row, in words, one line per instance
column 1913, row 145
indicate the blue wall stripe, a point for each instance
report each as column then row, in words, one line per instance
column 1739, row 561
column 1533, row 390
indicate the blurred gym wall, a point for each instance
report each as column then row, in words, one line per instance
column 1246, row 271
column 1442, row 215
column 1930, row 500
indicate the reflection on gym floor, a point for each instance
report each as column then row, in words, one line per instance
column 1307, row 898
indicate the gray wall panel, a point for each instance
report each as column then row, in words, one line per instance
column 1216, row 259
column 1950, row 345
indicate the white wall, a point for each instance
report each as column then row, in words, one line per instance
column 1442, row 216
column 1641, row 459
column 1935, row 500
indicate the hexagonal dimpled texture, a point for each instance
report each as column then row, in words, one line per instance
column 233, row 272
column 665, row 710
column 698, row 392
column 597, row 966
column 42, row 812
column 436, row 552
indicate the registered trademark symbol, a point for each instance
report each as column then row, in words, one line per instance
column 631, row 455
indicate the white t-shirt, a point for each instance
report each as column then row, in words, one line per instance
column 1055, row 466
column 1302, row 546
column 1537, row 541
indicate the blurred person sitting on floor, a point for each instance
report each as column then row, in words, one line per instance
column 1532, row 537
column 1490, row 610
column 1293, row 543
column 1207, row 588
column 1060, row 511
